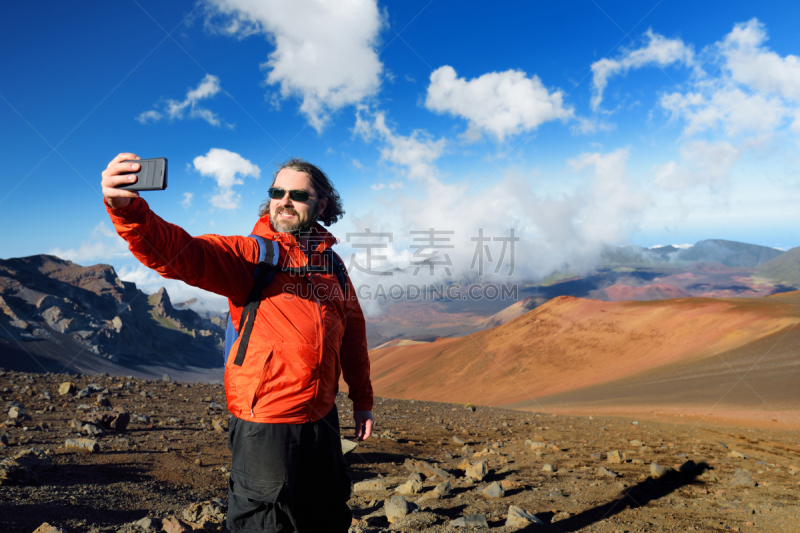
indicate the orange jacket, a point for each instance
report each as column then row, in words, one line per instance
column 302, row 339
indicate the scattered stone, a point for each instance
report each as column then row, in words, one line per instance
column 102, row 401
column 91, row 430
column 213, row 510
column 410, row 487
column 17, row 413
column 494, row 490
column 116, row 419
column 149, row 524
column 657, row 471
column 348, row 445
column 737, row 455
column 517, row 517
column 458, row 441
column 67, row 388
column 615, row 457
column 220, row 425
column 547, row 467
column 166, row 378
column 24, row 467
column 174, row 524
column 563, row 515
column 603, row 471
column 477, row 471
column 442, row 489
column 473, row 520
column 89, row 445
column 742, row 478
column 370, row 484
column 47, row 528
column 397, row 507
column 636, row 443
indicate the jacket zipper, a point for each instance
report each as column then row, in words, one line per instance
column 320, row 340
column 263, row 374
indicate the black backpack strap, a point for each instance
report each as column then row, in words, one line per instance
column 264, row 272
column 338, row 268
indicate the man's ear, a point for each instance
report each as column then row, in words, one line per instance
column 321, row 207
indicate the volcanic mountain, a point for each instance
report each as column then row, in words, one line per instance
column 56, row 315
column 569, row 346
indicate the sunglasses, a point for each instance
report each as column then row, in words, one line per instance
column 297, row 195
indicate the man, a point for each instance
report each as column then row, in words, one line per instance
column 287, row 472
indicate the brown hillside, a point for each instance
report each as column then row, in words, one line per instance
column 570, row 343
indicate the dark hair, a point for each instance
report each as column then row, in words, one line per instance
column 325, row 189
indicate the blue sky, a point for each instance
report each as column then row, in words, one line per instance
column 578, row 124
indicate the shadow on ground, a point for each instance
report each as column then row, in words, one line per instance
column 638, row 495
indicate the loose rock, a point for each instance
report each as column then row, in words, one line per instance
column 473, row 520
column 517, row 517
column 494, row 490
column 67, row 388
column 89, row 445
column 397, row 507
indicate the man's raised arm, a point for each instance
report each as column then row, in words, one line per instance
column 222, row 265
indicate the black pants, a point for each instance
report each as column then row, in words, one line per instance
column 288, row 477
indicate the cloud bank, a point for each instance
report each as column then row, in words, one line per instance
column 325, row 51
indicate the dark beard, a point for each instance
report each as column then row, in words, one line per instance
column 297, row 230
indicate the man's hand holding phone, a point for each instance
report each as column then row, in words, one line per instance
column 120, row 182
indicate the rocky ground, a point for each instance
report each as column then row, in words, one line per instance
column 112, row 454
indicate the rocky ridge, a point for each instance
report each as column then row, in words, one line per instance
column 56, row 315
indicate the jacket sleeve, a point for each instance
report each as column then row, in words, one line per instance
column 222, row 265
column 354, row 355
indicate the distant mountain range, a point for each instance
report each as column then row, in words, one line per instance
column 728, row 253
column 56, row 315
column 711, row 268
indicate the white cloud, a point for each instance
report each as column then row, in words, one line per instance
column 149, row 117
column 149, row 282
column 228, row 169
column 756, row 92
column 752, row 64
column 498, row 103
column 103, row 244
column 658, row 51
column 175, row 110
column 704, row 163
column 569, row 229
column 187, row 199
column 415, row 153
column 391, row 185
column 718, row 105
column 325, row 50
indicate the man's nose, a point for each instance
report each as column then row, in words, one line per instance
column 285, row 201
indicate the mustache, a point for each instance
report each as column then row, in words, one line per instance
column 280, row 210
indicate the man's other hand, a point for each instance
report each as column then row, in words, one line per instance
column 113, row 176
column 364, row 423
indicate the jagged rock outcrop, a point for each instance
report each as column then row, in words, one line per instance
column 56, row 309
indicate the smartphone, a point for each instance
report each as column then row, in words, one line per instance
column 151, row 177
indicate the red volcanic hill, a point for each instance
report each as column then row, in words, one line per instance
column 656, row 291
column 570, row 344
